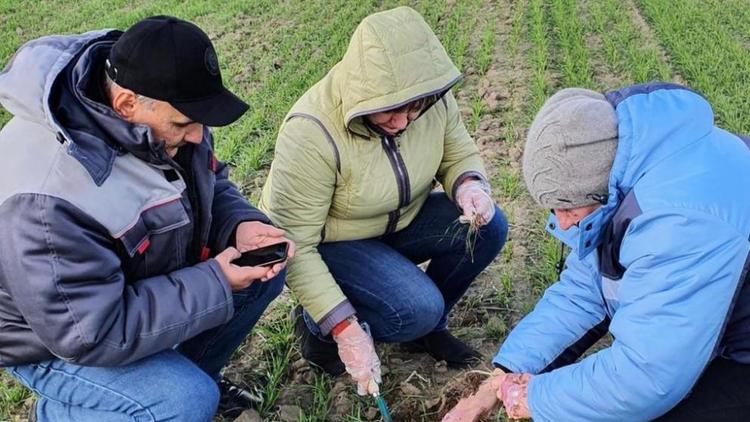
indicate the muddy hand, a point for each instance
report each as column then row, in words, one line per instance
column 513, row 392
column 357, row 351
column 473, row 198
column 471, row 408
column 465, row 411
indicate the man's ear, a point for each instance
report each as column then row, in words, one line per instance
column 125, row 103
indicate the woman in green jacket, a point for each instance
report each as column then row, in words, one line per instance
column 352, row 183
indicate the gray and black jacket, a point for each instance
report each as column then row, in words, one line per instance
column 105, row 240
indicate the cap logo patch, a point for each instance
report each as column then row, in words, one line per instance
column 212, row 62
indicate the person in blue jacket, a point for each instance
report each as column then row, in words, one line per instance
column 654, row 202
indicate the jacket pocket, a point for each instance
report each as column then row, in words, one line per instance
column 153, row 221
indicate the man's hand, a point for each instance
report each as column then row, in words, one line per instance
column 239, row 277
column 357, row 351
column 471, row 408
column 473, row 199
column 254, row 234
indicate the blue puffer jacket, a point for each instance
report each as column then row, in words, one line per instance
column 662, row 266
column 104, row 238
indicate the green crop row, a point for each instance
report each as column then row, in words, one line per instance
column 455, row 33
column 487, row 46
column 733, row 15
column 538, row 57
column 572, row 50
column 707, row 54
column 626, row 50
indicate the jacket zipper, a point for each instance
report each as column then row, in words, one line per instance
column 186, row 169
column 402, row 180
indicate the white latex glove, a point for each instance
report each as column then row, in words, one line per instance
column 474, row 200
column 357, row 351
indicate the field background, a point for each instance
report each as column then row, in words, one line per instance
column 513, row 55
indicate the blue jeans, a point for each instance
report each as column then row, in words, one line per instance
column 172, row 385
column 380, row 277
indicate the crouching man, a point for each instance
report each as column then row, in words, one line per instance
column 118, row 298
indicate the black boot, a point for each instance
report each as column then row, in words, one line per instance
column 441, row 345
column 316, row 351
column 233, row 399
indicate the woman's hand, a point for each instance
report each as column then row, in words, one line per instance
column 471, row 408
column 513, row 392
column 474, row 200
column 357, row 351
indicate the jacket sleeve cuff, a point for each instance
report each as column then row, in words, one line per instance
column 503, row 368
column 505, row 365
column 341, row 312
column 224, row 283
column 469, row 175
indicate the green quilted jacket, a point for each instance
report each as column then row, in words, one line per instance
column 333, row 178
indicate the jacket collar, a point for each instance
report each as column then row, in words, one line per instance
column 655, row 120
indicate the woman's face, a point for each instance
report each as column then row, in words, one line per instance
column 393, row 122
column 568, row 218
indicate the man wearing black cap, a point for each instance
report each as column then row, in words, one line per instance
column 118, row 300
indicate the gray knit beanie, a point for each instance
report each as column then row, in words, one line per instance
column 570, row 149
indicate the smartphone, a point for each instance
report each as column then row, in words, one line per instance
column 263, row 257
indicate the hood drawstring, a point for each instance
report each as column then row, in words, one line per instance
column 560, row 265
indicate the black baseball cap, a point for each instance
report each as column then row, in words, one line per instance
column 169, row 59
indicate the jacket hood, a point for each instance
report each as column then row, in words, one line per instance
column 655, row 121
column 27, row 80
column 50, row 81
column 393, row 58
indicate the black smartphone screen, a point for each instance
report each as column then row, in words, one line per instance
column 264, row 256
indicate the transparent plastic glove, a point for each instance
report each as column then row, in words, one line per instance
column 513, row 392
column 357, row 351
column 474, row 199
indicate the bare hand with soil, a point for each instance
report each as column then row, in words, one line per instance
column 471, row 408
column 513, row 392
